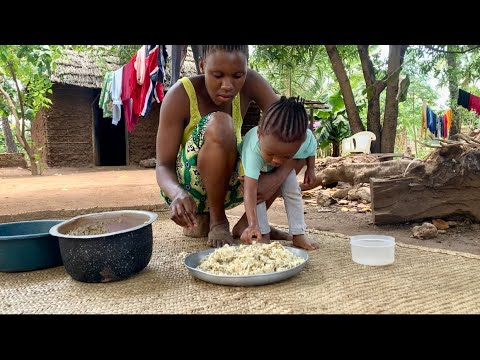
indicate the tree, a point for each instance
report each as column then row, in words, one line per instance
column 385, row 132
column 356, row 124
column 24, row 83
column 7, row 133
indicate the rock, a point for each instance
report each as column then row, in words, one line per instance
column 148, row 163
column 425, row 231
column 324, row 199
column 360, row 193
column 440, row 224
column 341, row 193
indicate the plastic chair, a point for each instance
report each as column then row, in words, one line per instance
column 358, row 143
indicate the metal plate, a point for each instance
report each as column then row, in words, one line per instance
column 193, row 260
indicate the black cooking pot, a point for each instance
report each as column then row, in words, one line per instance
column 106, row 246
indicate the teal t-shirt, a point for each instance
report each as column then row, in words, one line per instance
column 252, row 161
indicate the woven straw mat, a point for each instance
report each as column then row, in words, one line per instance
column 421, row 280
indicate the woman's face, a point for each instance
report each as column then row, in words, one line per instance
column 225, row 73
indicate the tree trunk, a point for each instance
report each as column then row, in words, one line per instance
column 336, row 149
column 389, row 129
column 374, row 89
column 447, row 184
column 7, row 131
column 453, row 89
column 34, row 165
column 346, row 89
column 402, row 199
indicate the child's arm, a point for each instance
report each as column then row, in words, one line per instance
column 310, row 176
column 250, row 203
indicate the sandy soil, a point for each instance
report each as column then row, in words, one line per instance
column 66, row 192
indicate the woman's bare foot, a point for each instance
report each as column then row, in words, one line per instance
column 219, row 235
column 303, row 242
column 202, row 229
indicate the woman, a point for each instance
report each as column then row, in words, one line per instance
column 199, row 128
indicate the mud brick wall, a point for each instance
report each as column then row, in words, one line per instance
column 142, row 141
column 12, row 160
column 69, row 127
column 251, row 118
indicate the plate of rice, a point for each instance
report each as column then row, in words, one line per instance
column 246, row 265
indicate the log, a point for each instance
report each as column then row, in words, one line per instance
column 356, row 173
column 401, row 199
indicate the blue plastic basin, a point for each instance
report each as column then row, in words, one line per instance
column 28, row 245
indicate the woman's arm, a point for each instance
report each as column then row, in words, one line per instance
column 173, row 113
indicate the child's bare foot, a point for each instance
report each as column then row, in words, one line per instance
column 276, row 234
column 303, row 242
column 265, row 239
column 219, row 235
column 240, row 226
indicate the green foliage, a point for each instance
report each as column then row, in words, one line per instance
column 295, row 70
column 333, row 125
column 470, row 119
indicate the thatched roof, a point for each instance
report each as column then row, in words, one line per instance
column 80, row 69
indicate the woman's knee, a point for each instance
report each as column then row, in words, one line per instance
column 220, row 129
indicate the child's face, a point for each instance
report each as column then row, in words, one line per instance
column 225, row 73
column 276, row 152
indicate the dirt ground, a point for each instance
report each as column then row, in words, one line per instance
column 66, row 192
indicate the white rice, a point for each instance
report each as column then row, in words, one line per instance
column 250, row 259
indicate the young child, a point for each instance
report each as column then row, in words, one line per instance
column 281, row 136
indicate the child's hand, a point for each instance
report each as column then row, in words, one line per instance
column 249, row 233
column 309, row 177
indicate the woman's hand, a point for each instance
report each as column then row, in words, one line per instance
column 183, row 210
column 249, row 233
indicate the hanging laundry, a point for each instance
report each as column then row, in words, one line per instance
column 140, row 64
column 448, row 115
column 148, row 86
column 431, row 121
column 129, row 89
column 105, row 101
column 423, row 129
column 463, row 98
column 116, row 95
column 474, row 103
